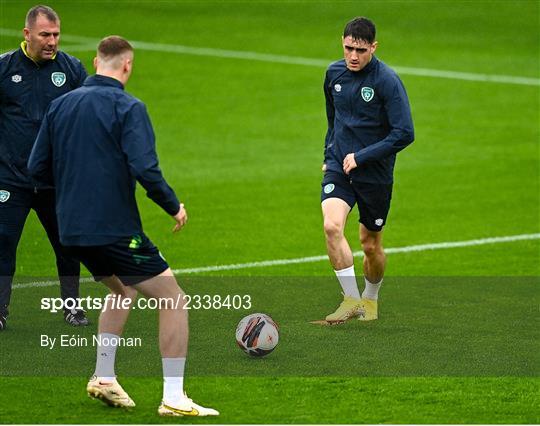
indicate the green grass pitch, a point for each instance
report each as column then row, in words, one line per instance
column 241, row 142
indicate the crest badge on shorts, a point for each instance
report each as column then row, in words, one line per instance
column 4, row 195
column 329, row 188
column 367, row 93
column 58, row 78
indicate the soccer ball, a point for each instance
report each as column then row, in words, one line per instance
column 257, row 335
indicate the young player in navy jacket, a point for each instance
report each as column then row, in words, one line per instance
column 369, row 122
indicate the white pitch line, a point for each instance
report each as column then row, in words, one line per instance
column 407, row 249
column 46, row 283
column 89, row 44
column 310, row 259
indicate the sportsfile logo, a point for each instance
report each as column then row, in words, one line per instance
column 115, row 302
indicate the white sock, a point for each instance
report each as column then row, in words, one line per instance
column 372, row 290
column 347, row 280
column 173, row 379
column 106, row 354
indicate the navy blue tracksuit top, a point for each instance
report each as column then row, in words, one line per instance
column 93, row 145
column 26, row 89
column 369, row 115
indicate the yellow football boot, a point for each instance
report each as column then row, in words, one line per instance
column 369, row 310
column 349, row 308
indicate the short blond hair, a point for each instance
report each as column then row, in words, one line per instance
column 113, row 46
column 112, row 50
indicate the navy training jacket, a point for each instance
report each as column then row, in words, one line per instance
column 26, row 90
column 369, row 115
column 94, row 144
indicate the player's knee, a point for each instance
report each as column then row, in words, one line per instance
column 183, row 303
column 130, row 292
column 174, row 302
column 332, row 229
column 371, row 247
column 125, row 292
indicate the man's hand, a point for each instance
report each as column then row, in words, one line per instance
column 323, row 168
column 349, row 163
column 181, row 218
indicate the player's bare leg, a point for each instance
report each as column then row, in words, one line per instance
column 374, row 257
column 374, row 266
column 114, row 316
column 173, row 343
column 335, row 212
column 173, row 318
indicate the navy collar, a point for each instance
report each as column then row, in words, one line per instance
column 102, row 80
column 371, row 64
column 368, row 67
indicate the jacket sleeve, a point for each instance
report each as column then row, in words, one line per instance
column 398, row 113
column 330, row 113
column 138, row 144
column 40, row 160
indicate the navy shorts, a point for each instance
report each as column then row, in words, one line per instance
column 373, row 199
column 132, row 259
